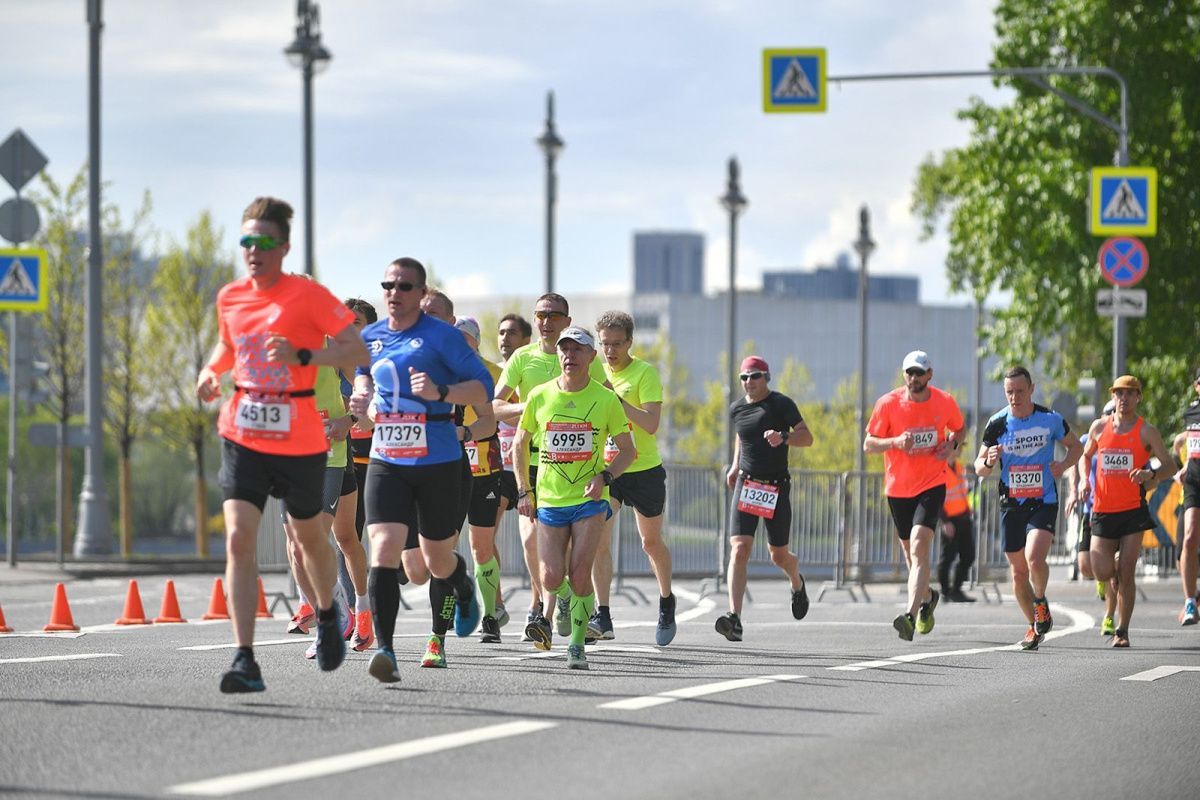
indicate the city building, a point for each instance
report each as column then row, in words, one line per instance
column 667, row 261
column 840, row 282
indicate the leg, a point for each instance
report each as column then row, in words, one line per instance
column 585, row 535
column 1022, row 590
column 1188, row 550
column 947, row 554
column 788, row 563
column 964, row 542
column 602, row 563
column 346, row 535
column 529, row 543
column 1130, row 549
column 296, row 562
column 318, row 561
column 739, row 557
column 552, row 549
column 1037, row 547
column 920, row 542
column 241, row 568
column 655, row 548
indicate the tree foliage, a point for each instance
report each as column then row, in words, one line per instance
column 1015, row 197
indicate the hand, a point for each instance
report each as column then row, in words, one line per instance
column 1057, row 468
column 947, row 530
column 1145, row 474
column 903, row 442
column 358, row 403
column 774, row 438
column 337, row 430
column 993, row 455
column 525, row 506
column 1071, row 501
column 595, row 488
column 280, row 351
column 943, row 450
column 731, row 477
column 421, row 385
column 208, row 385
column 1178, row 476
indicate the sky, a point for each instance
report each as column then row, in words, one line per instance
column 426, row 117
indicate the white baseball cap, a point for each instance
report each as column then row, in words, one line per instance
column 917, row 359
column 577, row 334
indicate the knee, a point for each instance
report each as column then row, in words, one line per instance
column 581, row 580
column 780, row 556
column 241, row 543
column 551, row 577
column 739, row 553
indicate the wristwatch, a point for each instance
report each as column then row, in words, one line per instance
column 607, row 476
column 443, row 390
column 304, row 355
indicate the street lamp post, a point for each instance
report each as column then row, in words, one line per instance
column 735, row 203
column 307, row 53
column 551, row 145
column 864, row 247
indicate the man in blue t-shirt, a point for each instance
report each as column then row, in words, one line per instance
column 1020, row 441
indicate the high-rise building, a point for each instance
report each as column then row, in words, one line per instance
column 668, row 261
column 840, row 282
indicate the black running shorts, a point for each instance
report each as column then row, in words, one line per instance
column 908, row 512
column 253, row 476
column 644, row 490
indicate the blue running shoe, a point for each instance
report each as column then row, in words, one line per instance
column 467, row 614
column 383, row 666
column 665, row 632
column 331, row 647
column 243, row 676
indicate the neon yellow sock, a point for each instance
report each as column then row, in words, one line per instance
column 563, row 590
column 581, row 612
column 487, row 575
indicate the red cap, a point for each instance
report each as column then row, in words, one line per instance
column 752, row 363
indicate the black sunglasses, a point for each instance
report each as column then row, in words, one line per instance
column 916, row 373
column 400, row 286
column 751, row 376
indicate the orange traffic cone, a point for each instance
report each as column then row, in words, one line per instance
column 133, row 614
column 170, row 606
column 4, row 625
column 216, row 605
column 60, row 612
column 262, row 612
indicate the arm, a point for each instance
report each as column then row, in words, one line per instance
column 880, row 444
column 1153, row 441
column 466, row 393
column 647, row 418
column 987, row 460
column 505, row 411
column 1085, row 461
column 208, row 382
column 525, row 497
column 799, row 436
column 731, row 475
column 360, row 400
column 346, row 350
column 626, row 453
column 482, row 428
column 952, row 443
column 1074, row 451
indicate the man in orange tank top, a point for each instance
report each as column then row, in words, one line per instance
column 1123, row 444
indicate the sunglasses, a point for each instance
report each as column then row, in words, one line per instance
column 916, row 373
column 399, row 286
column 263, row 243
column 549, row 314
column 751, row 376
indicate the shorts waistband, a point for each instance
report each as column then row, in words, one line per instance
column 772, row 481
column 297, row 393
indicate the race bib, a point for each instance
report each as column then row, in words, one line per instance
column 400, row 436
column 1025, row 480
column 924, row 440
column 1193, row 444
column 506, row 436
column 610, row 450
column 1116, row 462
column 264, row 417
column 759, row 499
column 567, row 441
column 472, row 451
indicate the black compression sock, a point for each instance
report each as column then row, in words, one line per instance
column 383, row 589
column 460, row 580
column 441, row 604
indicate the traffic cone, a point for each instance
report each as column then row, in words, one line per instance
column 4, row 625
column 170, row 606
column 262, row 612
column 133, row 614
column 216, row 604
column 60, row 612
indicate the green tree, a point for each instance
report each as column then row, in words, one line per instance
column 1015, row 196
column 127, row 370
column 181, row 331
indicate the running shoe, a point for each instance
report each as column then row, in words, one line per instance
column 1120, row 638
column 243, row 676
column 1107, row 627
column 435, row 655
column 925, row 612
column 1042, row 620
column 1032, row 640
column 331, row 647
column 575, row 657
column 383, row 666
column 562, row 616
column 1100, row 589
column 1189, row 615
column 364, row 634
column 311, row 652
column 347, row 620
column 904, row 626
column 665, row 632
column 490, row 630
column 467, row 613
column 600, row 627
column 530, row 616
column 501, row 615
column 730, row 626
column 304, row 617
column 958, row 596
column 538, row 631
column 800, row 600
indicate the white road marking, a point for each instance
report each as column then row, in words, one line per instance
column 41, row 635
column 1079, row 622
column 687, row 693
column 1159, row 672
column 71, row 657
column 231, row 646
column 333, row 765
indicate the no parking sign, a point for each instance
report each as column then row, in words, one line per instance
column 1124, row 261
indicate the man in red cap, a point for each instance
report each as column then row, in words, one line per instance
column 767, row 423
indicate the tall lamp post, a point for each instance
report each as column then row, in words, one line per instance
column 307, row 53
column 735, row 203
column 551, row 145
column 864, row 247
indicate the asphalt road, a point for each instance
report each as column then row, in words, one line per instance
column 833, row 706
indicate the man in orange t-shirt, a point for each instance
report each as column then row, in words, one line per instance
column 916, row 427
column 273, row 330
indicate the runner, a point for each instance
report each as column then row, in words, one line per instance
column 1020, row 441
column 273, row 329
column 909, row 426
column 1188, row 477
column 767, row 424
column 1119, row 511
column 1081, row 483
column 643, row 486
column 513, row 333
column 958, row 534
column 420, row 368
column 572, row 414
column 528, row 367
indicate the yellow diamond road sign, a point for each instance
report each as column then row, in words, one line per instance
column 23, row 277
column 793, row 80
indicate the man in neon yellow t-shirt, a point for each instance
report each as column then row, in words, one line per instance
column 571, row 416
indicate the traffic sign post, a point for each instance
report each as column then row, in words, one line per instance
column 1123, row 261
column 794, row 80
column 1124, row 201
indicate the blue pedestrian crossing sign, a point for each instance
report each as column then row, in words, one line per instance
column 23, row 278
column 794, row 80
column 1124, row 201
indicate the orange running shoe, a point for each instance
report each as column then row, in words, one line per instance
column 303, row 618
column 364, row 635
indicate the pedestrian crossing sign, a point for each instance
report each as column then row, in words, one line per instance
column 793, row 80
column 1124, row 201
column 23, row 277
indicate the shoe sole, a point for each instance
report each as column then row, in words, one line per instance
column 362, row 646
column 802, row 612
column 582, row 665
column 488, row 638
column 235, row 683
column 664, row 636
column 433, row 664
column 465, row 626
column 726, row 629
column 382, row 669
column 905, row 632
column 538, row 636
column 1188, row 621
column 920, row 626
column 1030, row 646
column 300, row 630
